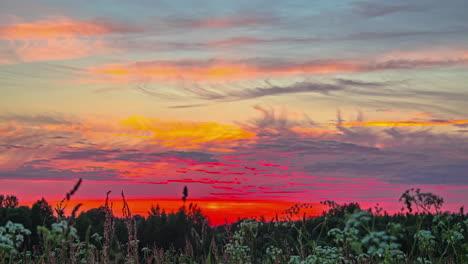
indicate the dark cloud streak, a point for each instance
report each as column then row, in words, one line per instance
column 372, row 9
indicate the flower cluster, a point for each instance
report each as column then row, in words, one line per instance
column 12, row 237
column 274, row 254
column 321, row 255
column 237, row 249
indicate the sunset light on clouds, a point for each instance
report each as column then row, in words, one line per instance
column 253, row 106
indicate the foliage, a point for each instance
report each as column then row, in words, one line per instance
column 423, row 201
column 8, row 201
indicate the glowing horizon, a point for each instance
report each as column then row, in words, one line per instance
column 218, row 211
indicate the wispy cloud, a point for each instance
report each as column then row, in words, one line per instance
column 62, row 27
column 388, row 123
column 306, row 87
column 210, row 70
column 222, row 22
column 25, row 51
column 360, row 36
column 58, row 38
column 53, row 119
column 269, row 90
column 231, row 70
column 371, row 9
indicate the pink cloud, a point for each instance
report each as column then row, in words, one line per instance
column 60, row 27
column 219, row 70
column 57, row 39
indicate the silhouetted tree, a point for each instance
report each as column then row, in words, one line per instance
column 93, row 219
column 10, row 201
column 42, row 214
column 20, row 215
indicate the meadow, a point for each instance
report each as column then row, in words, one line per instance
column 344, row 233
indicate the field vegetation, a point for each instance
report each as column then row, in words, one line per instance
column 344, row 233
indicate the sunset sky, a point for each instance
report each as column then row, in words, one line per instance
column 250, row 104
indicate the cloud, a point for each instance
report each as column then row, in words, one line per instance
column 413, row 64
column 358, row 83
column 226, row 94
column 285, row 154
column 397, row 156
column 372, row 10
column 197, row 70
column 221, row 22
column 189, row 155
column 60, row 27
column 209, row 70
column 187, row 106
column 300, row 87
column 389, row 123
column 52, row 49
column 62, row 38
column 53, row 119
column 89, row 154
column 238, row 41
column 156, row 45
column 334, row 89
column 244, row 41
column 54, row 173
column 185, row 134
column 58, row 38
column 9, row 146
column 270, row 90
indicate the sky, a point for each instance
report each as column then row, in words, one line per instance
column 250, row 104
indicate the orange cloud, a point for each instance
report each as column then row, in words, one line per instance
column 401, row 123
column 139, row 130
column 230, row 70
column 59, row 27
column 215, row 70
column 186, row 134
